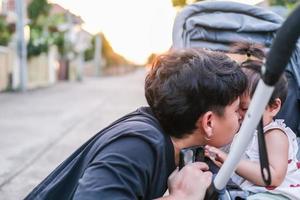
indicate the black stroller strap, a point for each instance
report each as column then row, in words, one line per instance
column 263, row 154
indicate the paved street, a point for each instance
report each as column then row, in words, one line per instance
column 40, row 128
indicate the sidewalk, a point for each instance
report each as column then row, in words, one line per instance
column 40, row 128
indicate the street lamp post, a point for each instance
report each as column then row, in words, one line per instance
column 21, row 44
column 98, row 53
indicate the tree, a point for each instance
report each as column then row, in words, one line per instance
column 38, row 8
column 5, row 33
column 90, row 52
column 38, row 12
column 44, row 29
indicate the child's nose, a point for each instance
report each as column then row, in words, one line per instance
column 241, row 116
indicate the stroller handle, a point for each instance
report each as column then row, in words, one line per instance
column 282, row 48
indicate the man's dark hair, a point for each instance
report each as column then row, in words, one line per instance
column 184, row 84
column 252, row 68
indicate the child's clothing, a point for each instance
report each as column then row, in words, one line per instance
column 266, row 196
column 290, row 187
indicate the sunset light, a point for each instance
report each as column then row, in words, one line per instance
column 134, row 28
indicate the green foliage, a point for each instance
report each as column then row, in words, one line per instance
column 5, row 33
column 35, row 48
column 58, row 39
column 289, row 4
column 90, row 52
column 283, row 2
column 44, row 29
column 38, row 8
column 54, row 21
column 182, row 3
column 38, row 43
column 38, row 11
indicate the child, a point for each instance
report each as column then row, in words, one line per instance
column 281, row 142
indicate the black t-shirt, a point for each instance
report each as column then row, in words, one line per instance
column 130, row 159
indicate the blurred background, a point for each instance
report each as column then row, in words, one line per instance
column 68, row 68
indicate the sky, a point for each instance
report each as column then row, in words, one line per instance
column 134, row 28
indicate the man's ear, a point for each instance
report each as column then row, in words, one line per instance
column 274, row 108
column 206, row 123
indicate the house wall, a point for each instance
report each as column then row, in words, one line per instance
column 6, row 67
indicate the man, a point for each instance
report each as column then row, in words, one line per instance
column 194, row 100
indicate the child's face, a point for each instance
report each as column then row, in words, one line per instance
column 244, row 104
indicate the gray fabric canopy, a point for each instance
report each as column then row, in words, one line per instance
column 216, row 24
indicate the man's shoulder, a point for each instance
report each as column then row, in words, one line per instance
column 140, row 124
column 141, row 121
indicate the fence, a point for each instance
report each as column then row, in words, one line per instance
column 6, row 61
column 42, row 70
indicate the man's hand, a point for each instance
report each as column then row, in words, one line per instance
column 190, row 182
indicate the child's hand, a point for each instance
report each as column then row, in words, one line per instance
column 216, row 155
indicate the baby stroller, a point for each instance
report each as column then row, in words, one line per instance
column 215, row 25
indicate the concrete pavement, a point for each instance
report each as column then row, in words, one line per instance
column 40, row 128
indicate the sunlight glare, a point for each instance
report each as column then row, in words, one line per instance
column 134, row 28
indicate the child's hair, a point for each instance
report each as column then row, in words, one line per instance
column 254, row 60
